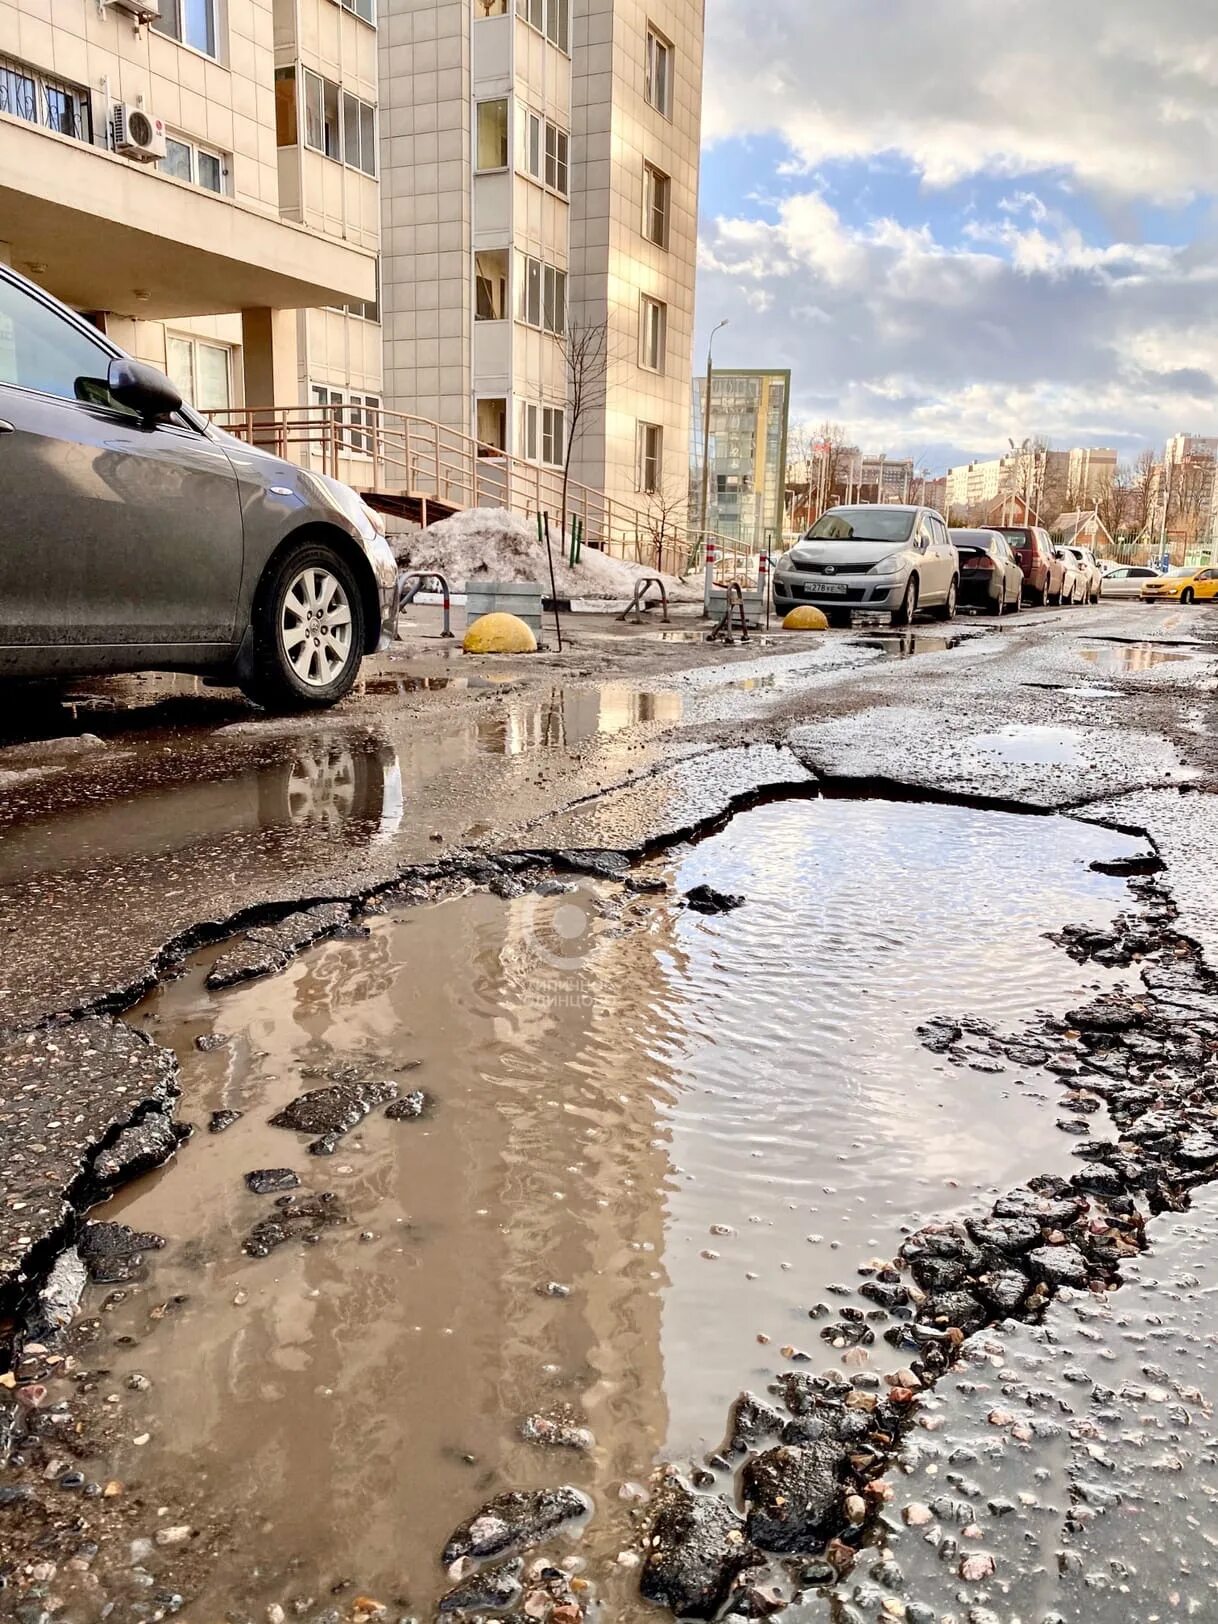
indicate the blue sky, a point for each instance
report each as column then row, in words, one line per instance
column 954, row 232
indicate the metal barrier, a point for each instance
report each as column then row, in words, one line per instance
column 407, row 593
column 638, row 603
column 722, row 630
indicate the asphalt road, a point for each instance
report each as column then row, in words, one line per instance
column 183, row 809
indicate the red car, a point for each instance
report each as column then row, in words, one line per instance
column 1043, row 571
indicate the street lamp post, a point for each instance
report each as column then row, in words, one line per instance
column 710, row 372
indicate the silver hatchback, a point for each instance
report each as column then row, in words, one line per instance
column 135, row 536
column 885, row 557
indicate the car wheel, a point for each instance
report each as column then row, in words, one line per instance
column 308, row 628
column 947, row 611
column 908, row 606
column 1188, row 595
column 997, row 607
column 839, row 618
column 1045, row 595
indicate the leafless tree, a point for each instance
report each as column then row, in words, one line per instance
column 832, row 448
column 586, row 359
column 1113, row 501
column 662, row 517
column 803, row 468
column 1143, row 492
column 1190, row 499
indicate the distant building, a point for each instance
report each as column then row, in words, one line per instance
column 1188, row 497
column 1091, row 470
column 1083, row 529
column 748, row 454
column 1049, row 479
column 885, row 479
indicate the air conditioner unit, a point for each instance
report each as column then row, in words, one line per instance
column 144, row 11
column 137, row 134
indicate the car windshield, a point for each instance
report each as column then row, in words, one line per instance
column 972, row 541
column 1017, row 538
column 1183, row 570
column 862, row 524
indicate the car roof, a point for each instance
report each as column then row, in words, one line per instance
column 887, row 507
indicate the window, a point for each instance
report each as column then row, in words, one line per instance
column 550, row 17
column 190, row 22
column 359, row 134
column 554, row 303
column 201, row 372
column 530, row 291
column 492, row 425
column 657, row 189
column 493, row 135
column 322, row 131
column 285, row 107
column 185, row 160
column 653, row 335
column 553, row 436
column 658, row 87
column 41, row 350
column 532, row 127
column 651, row 457
column 557, row 148
column 53, row 103
column 491, row 284
column 490, row 8
column 355, row 411
column 360, row 8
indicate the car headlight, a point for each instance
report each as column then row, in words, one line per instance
column 892, row 564
column 785, row 565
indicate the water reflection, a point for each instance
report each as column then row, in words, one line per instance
column 1127, row 659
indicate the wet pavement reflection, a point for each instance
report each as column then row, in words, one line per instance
column 695, row 1127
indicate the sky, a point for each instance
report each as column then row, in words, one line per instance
column 957, row 222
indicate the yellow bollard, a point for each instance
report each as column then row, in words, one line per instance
column 806, row 618
column 499, row 634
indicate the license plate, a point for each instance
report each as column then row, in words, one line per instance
column 832, row 586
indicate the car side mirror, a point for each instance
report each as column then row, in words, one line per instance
column 141, row 387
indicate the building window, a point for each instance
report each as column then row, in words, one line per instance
column 653, row 334
column 550, row 17
column 190, row 22
column 493, row 135
column 659, row 73
column 557, row 150
column 285, row 107
column 651, row 457
column 185, row 160
column 359, row 134
column 554, row 302
column 39, row 99
column 357, row 414
column 490, row 8
column 365, row 9
column 532, row 128
column 553, row 435
column 322, row 129
column 491, row 284
column 201, row 373
column 492, row 425
column 530, row 291
column 528, row 439
column 657, row 194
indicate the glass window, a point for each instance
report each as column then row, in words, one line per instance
column 40, row 350
column 17, row 92
column 330, row 127
column 313, row 114
column 212, row 378
column 351, row 129
column 554, row 307
column 493, row 134
column 659, row 73
column 190, row 22
column 285, row 107
column 361, row 8
column 491, row 284
column 176, row 161
column 367, row 135
column 531, row 157
column 651, row 457
column 179, row 365
column 558, row 23
column 533, row 11
column 492, row 424
column 657, row 188
column 529, row 438
column 530, row 292
column 557, row 146
column 870, row 523
column 211, row 171
column 654, row 335
column 553, row 436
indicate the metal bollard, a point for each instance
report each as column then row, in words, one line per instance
column 708, row 581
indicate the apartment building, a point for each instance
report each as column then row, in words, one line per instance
column 539, row 188
column 200, row 177
column 749, row 420
column 1090, row 471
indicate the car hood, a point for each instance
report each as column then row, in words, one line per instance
column 844, row 553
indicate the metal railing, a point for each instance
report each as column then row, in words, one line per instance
column 395, row 454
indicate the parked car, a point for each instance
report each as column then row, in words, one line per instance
column 1090, row 566
column 1190, row 583
column 1127, row 580
column 135, row 536
column 887, row 557
column 989, row 576
column 1037, row 558
column 1075, row 583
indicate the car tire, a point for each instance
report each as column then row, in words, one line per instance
column 839, row 618
column 305, row 583
column 908, row 606
column 1188, row 595
column 1046, row 597
column 998, row 607
column 947, row 611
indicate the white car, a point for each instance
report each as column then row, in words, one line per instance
column 895, row 559
column 1093, row 574
column 1076, row 584
column 1127, row 580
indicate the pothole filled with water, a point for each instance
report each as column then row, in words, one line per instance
column 651, row 1139
column 1127, row 659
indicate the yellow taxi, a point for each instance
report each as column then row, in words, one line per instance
column 1189, row 583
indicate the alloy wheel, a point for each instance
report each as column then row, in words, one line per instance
column 315, row 626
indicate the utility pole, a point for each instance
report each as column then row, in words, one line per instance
column 706, row 416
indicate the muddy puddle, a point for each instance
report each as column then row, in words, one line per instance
column 695, row 1127
column 1128, row 659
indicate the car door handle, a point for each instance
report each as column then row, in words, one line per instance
column 6, row 428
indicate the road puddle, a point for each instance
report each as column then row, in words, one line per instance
column 1032, row 746
column 652, row 1140
column 1128, row 659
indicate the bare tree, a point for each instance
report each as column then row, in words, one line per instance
column 1143, row 493
column 832, row 449
column 1113, row 501
column 1190, row 499
column 803, row 469
column 663, row 513
column 586, row 359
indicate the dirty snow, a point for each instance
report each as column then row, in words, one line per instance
column 495, row 545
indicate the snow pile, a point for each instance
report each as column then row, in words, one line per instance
column 494, row 545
